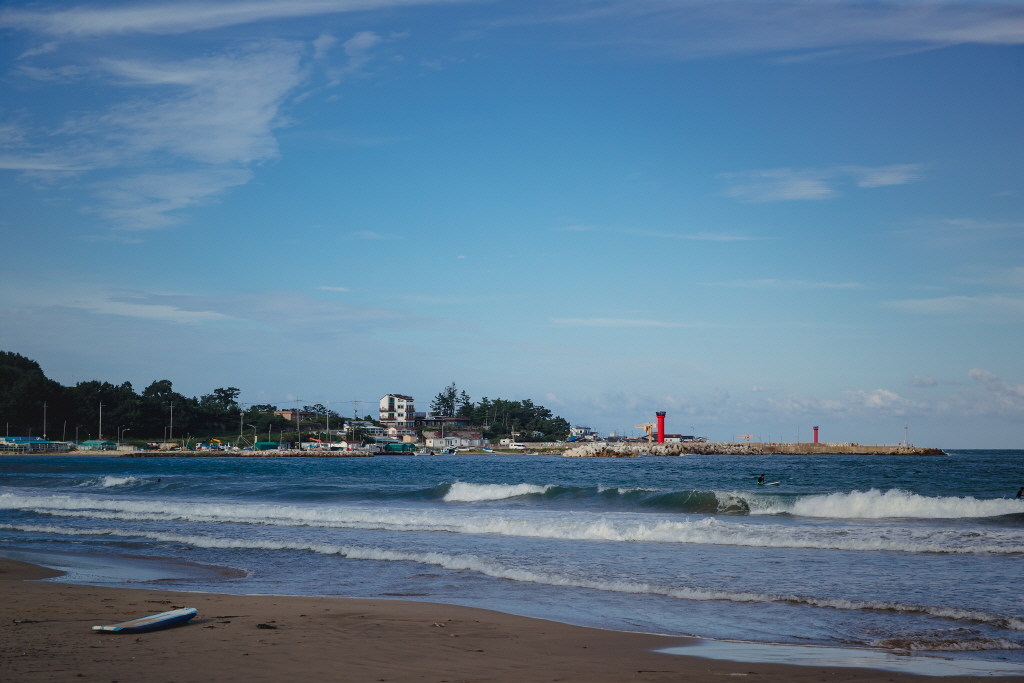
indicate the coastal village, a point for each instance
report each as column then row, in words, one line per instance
column 401, row 429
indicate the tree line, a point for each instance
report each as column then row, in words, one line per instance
column 28, row 396
column 75, row 411
column 501, row 417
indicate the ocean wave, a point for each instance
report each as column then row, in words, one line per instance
column 110, row 481
column 947, row 644
column 465, row 492
column 875, row 504
column 574, row 526
column 495, row 569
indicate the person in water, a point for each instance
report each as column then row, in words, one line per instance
column 1020, row 494
column 760, row 480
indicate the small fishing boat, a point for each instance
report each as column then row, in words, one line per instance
column 153, row 622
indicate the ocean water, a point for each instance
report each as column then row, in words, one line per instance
column 918, row 554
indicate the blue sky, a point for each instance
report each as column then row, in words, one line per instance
column 757, row 216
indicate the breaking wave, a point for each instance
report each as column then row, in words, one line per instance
column 463, row 492
column 606, row 526
column 494, row 569
column 111, row 481
column 895, row 503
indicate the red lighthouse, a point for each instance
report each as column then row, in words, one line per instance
column 661, row 426
column 815, row 435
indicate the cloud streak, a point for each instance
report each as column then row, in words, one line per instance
column 992, row 304
column 627, row 322
column 787, row 184
column 181, row 17
column 795, row 29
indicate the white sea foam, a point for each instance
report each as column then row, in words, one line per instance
column 875, row 504
column 109, row 481
column 948, row 644
column 465, row 492
column 621, row 527
column 492, row 568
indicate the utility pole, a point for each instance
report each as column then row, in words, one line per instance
column 906, row 438
column 100, row 436
column 298, row 423
column 44, row 420
column 170, row 436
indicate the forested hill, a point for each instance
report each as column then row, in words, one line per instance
column 24, row 388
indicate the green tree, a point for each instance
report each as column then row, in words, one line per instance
column 446, row 403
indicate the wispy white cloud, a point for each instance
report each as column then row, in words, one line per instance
column 999, row 277
column 105, row 302
column 702, row 236
column 335, row 289
column 627, row 322
column 1005, row 398
column 43, row 49
column 787, row 184
column 923, row 381
column 41, row 162
column 151, row 200
column 273, row 309
column 989, row 304
column 180, row 17
column 218, row 109
column 698, row 236
column 953, row 232
column 190, row 130
column 771, row 283
column 322, row 45
column 612, row 322
column 358, row 50
column 792, row 29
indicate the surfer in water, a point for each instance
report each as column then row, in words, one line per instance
column 760, row 480
column 1020, row 494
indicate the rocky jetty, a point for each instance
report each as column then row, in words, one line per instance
column 634, row 450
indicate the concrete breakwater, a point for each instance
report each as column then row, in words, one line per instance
column 634, row 450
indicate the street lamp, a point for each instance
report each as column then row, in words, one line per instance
column 126, row 429
column 253, row 436
column 119, row 434
column 76, row 432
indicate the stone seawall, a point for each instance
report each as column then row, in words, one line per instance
column 634, row 450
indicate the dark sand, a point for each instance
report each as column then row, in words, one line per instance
column 45, row 636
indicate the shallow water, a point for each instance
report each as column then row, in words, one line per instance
column 906, row 553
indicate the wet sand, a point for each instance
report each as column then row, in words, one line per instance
column 45, row 636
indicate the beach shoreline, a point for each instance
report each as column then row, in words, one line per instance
column 45, row 631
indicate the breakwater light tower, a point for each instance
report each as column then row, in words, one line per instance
column 661, row 426
column 815, row 435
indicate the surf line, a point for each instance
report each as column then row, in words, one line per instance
column 467, row 562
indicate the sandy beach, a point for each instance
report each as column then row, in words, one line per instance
column 45, row 634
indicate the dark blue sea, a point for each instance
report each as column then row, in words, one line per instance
column 907, row 554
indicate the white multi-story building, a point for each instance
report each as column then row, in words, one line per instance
column 397, row 410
